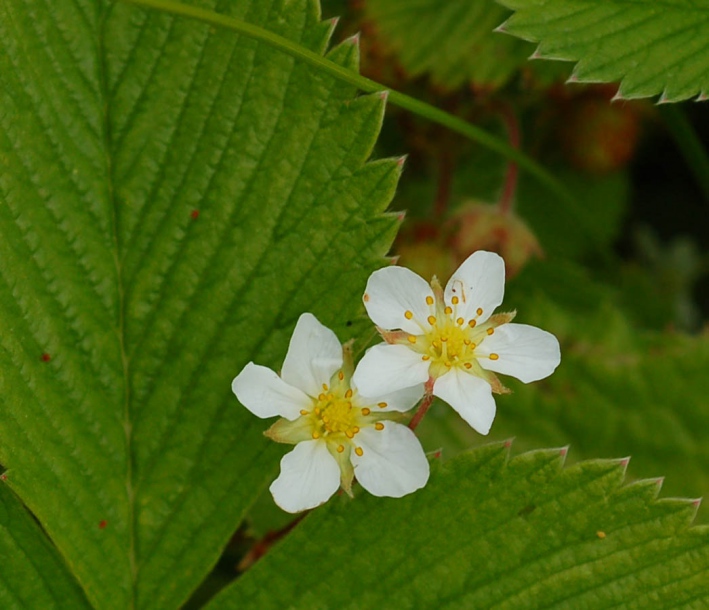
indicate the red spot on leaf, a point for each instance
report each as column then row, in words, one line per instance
column 3, row 477
column 194, row 214
column 102, row 524
column 46, row 357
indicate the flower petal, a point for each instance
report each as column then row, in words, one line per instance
column 393, row 291
column 314, row 356
column 392, row 461
column 401, row 400
column 387, row 368
column 265, row 394
column 479, row 283
column 525, row 352
column 470, row 396
column 309, row 476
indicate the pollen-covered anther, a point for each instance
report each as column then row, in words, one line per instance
column 425, row 357
column 366, row 411
column 316, row 434
column 340, row 375
column 379, row 426
column 472, row 323
column 431, row 320
column 382, row 405
column 355, row 429
column 359, row 451
column 304, row 412
column 490, row 331
column 412, row 338
column 494, row 357
column 365, row 298
column 429, row 300
column 340, row 448
column 349, row 434
column 348, row 394
column 448, row 310
column 468, row 365
column 479, row 311
column 408, row 314
column 460, row 321
column 455, row 300
column 325, row 387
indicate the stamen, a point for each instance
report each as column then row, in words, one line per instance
column 316, row 435
column 425, row 357
column 467, row 365
column 324, row 387
column 304, row 412
column 455, row 300
column 317, row 411
column 321, row 397
column 340, row 375
column 479, row 311
column 431, row 320
column 494, row 356
column 408, row 314
column 412, row 338
column 366, row 411
column 340, row 448
column 448, row 364
column 448, row 310
column 460, row 321
column 349, row 434
column 355, row 429
column 365, row 297
column 472, row 323
column 490, row 331
column 326, row 419
column 467, row 341
column 429, row 300
column 443, row 340
column 359, row 451
column 382, row 405
column 348, row 394
column 379, row 426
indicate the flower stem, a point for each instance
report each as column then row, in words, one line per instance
column 426, row 402
column 261, row 547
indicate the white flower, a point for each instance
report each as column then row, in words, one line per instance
column 451, row 339
column 338, row 433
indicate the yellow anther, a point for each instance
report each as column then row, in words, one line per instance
column 321, row 397
column 447, row 363
column 348, row 394
column 448, row 310
column 408, row 315
column 424, row 357
column 379, row 426
column 340, row 448
column 381, row 405
column 316, row 435
column 355, row 429
column 412, row 339
column 466, row 341
column 431, row 320
column 359, row 451
column 472, row 323
column 317, row 411
column 349, row 434
column 324, row 387
column 366, row 411
column 365, row 298
column 429, row 300
column 326, row 419
column 467, row 365
column 455, row 300
column 304, row 412
column 340, row 375
column 490, row 331
column 443, row 340
column 472, row 346
column 479, row 311
column 494, row 357
column 460, row 321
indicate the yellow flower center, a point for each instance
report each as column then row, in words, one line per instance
column 336, row 415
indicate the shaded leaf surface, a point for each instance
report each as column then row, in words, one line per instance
column 491, row 533
column 171, row 199
column 651, row 47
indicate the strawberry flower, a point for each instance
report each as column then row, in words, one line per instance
column 451, row 339
column 338, row 433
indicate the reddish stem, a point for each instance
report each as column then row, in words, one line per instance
column 510, row 186
column 422, row 410
column 261, row 547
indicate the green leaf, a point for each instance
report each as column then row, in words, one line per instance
column 172, row 197
column 651, row 47
column 487, row 533
column 452, row 41
column 33, row 575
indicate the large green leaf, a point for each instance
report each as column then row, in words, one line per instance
column 653, row 47
column 491, row 533
column 171, row 199
column 452, row 40
column 33, row 575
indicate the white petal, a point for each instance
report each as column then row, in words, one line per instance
column 478, row 283
column 265, row 394
column 387, row 368
column 393, row 291
column 314, row 356
column 309, row 476
column 392, row 463
column 401, row 400
column 470, row 396
column 525, row 352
